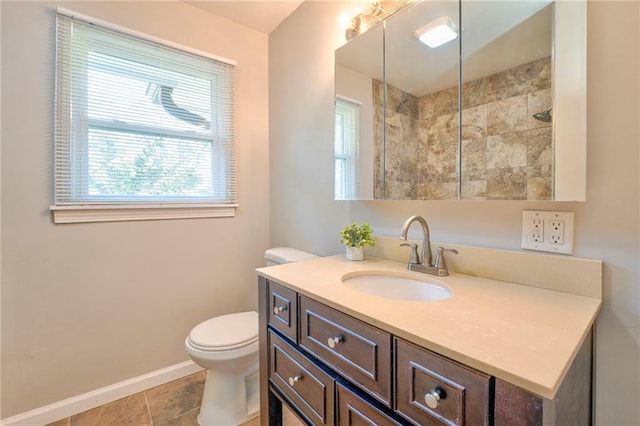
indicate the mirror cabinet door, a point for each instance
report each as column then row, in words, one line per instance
column 359, row 67
column 421, row 148
column 495, row 112
column 506, row 138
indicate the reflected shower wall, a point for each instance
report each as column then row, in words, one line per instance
column 506, row 153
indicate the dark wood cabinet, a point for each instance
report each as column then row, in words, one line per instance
column 516, row 407
column 283, row 310
column 333, row 369
column 571, row 406
column 432, row 390
column 353, row 410
column 305, row 384
column 354, row 349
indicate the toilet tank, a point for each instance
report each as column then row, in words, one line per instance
column 280, row 255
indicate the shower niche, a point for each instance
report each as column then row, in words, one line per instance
column 496, row 113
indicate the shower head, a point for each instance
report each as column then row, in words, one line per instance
column 543, row 116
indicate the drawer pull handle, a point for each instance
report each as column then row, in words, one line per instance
column 333, row 341
column 294, row 380
column 278, row 309
column 432, row 399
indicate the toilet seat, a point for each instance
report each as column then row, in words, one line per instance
column 226, row 332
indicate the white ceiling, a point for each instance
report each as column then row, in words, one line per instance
column 261, row 15
column 490, row 20
column 496, row 36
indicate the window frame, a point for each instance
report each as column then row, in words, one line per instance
column 88, row 208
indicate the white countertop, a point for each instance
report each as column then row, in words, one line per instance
column 524, row 335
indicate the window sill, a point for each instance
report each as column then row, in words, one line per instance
column 129, row 212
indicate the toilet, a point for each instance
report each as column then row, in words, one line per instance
column 227, row 347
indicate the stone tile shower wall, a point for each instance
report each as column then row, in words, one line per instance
column 506, row 153
column 403, row 146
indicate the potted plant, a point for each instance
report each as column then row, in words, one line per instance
column 356, row 238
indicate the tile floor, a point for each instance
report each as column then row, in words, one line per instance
column 172, row 404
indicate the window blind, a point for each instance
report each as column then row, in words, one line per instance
column 347, row 139
column 140, row 122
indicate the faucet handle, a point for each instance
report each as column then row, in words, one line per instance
column 414, row 257
column 440, row 262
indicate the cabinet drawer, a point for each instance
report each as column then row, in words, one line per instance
column 283, row 310
column 357, row 350
column 309, row 388
column 354, row 411
column 422, row 377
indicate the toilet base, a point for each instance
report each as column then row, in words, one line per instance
column 229, row 399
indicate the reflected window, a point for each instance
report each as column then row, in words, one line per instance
column 347, row 129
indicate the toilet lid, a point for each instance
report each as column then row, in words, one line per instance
column 226, row 331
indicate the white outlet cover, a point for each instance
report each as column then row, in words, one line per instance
column 546, row 245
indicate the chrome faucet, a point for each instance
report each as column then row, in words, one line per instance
column 425, row 256
column 422, row 263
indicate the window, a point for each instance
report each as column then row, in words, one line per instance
column 143, row 129
column 347, row 128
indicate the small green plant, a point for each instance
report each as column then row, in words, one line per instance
column 357, row 236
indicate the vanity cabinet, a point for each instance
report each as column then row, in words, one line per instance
column 333, row 369
column 309, row 387
column 430, row 387
column 357, row 351
column 353, row 410
column 283, row 310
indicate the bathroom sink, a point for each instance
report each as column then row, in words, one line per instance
column 396, row 286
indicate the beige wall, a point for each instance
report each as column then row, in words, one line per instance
column 607, row 225
column 301, row 133
column 88, row 305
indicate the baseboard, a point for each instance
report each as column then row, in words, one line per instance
column 86, row 401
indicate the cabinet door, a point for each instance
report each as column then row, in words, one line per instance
column 353, row 410
column 433, row 390
column 358, row 351
column 307, row 386
column 516, row 407
column 283, row 310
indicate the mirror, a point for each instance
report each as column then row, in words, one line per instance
column 358, row 134
column 421, row 107
column 507, row 153
column 496, row 114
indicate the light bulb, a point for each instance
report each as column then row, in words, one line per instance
column 437, row 33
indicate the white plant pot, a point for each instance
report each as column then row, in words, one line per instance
column 355, row 253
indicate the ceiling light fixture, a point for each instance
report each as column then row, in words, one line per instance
column 367, row 17
column 372, row 13
column 438, row 32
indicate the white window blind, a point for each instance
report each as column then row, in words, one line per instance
column 347, row 131
column 140, row 123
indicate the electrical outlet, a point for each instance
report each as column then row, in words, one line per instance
column 547, row 231
column 537, row 230
column 556, row 232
